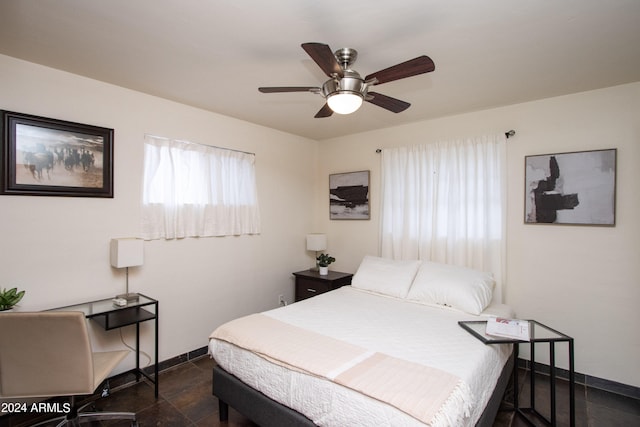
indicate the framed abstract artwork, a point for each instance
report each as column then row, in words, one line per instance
column 49, row 157
column 349, row 195
column 577, row 188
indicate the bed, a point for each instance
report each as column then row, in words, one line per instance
column 385, row 351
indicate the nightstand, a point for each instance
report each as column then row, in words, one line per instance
column 311, row 283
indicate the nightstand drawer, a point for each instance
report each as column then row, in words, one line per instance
column 311, row 283
column 308, row 288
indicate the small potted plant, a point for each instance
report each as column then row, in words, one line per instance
column 323, row 263
column 9, row 298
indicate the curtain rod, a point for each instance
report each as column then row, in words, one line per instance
column 508, row 134
column 198, row 143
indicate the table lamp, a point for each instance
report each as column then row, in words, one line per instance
column 125, row 253
column 316, row 242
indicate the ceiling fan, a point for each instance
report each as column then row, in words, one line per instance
column 346, row 89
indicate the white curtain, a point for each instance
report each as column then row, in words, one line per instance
column 446, row 202
column 195, row 190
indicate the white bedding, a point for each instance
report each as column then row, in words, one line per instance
column 419, row 333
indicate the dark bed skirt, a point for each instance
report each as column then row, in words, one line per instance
column 266, row 412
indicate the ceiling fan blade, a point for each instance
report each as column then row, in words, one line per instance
column 413, row 67
column 387, row 102
column 289, row 89
column 326, row 60
column 324, row 112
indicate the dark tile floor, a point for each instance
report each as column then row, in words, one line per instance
column 185, row 400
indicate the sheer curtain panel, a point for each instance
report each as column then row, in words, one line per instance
column 196, row 190
column 446, row 202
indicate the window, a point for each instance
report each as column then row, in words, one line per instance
column 446, row 202
column 195, row 190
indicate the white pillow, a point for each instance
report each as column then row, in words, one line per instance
column 458, row 287
column 385, row 276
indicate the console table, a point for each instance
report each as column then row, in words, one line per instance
column 110, row 316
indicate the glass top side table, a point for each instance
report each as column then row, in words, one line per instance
column 539, row 333
column 111, row 316
column 105, row 306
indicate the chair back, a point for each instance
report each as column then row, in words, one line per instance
column 45, row 354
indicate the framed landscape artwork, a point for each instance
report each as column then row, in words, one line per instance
column 349, row 195
column 576, row 188
column 49, row 157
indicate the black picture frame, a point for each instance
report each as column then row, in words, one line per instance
column 349, row 195
column 41, row 156
column 575, row 188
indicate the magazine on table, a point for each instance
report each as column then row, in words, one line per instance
column 509, row 328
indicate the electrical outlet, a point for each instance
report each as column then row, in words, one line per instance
column 281, row 300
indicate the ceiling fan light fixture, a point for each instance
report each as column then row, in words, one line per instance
column 346, row 90
column 344, row 102
column 345, row 95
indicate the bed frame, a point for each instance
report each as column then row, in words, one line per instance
column 266, row 412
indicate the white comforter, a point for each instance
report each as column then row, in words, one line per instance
column 422, row 334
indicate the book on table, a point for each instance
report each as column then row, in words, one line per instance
column 509, row 328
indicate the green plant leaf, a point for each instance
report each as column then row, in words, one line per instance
column 9, row 298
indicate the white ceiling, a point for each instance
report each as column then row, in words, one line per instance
column 214, row 54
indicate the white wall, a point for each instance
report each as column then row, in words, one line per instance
column 584, row 281
column 57, row 248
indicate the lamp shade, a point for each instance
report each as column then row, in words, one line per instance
column 127, row 252
column 316, row 242
column 344, row 102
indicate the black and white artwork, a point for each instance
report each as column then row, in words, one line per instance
column 349, row 195
column 576, row 188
